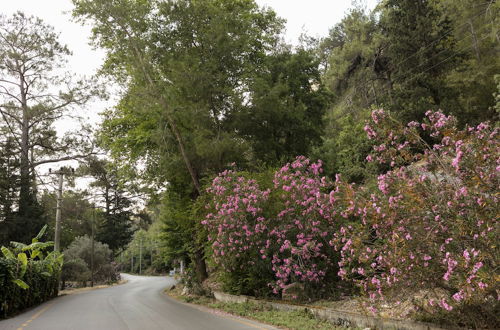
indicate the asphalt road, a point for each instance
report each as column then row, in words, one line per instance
column 139, row 304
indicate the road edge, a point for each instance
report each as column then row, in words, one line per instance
column 257, row 324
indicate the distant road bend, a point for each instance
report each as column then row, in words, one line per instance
column 139, row 304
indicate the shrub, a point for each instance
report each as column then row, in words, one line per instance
column 272, row 238
column 427, row 227
column 75, row 269
column 237, row 230
column 433, row 221
column 78, row 258
column 28, row 275
column 297, row 244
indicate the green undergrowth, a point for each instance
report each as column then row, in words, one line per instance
column 289, row 319
column 296, row 320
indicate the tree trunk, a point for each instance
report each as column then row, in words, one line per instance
column 200, row 265
column 474, row 40
column 25, row 191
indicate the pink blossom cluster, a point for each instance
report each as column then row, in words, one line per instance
column 299, row 251
column 429, row 224
column 431, row 221
column 290, row 237
column 236, row 226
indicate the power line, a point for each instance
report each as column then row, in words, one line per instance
column 458, row 52
column 365, row 84
column 445, row 35
column 443, row 61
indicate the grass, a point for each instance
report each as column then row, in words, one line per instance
column 288, row 319
column 296, row 320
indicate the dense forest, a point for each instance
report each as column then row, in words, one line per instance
column 213, row 101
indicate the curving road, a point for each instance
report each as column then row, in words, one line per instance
column 138, row 304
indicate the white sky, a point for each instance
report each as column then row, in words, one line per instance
column 312, row 16
column 315, row 17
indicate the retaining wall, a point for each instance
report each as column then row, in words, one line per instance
column 339, row 318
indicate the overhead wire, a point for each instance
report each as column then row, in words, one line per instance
column 366, row 83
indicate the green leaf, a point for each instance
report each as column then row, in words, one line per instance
column 7, row 253
column 46, row 274
column 38, row 246
column 18, row 245
column 23, row 259
column 21, row 284
column 35, row 254
column 40, row 234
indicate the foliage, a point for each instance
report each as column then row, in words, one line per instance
column 298, row 320
column 79, row 254
column 237, row 230
column 115, row 225
column 148, row 252
column 475, row 28
column 28, row 275
column 407, row 57
column 278, row 235
column 284, row 118
column 357, row 75
column 344, row 149
column 33, row 95
column 9, row 189
column 186, row 67
column 76, row 212
column 444, row 194
column 421, row 52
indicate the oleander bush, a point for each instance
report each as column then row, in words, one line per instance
column 426, row 227
column 266, row 239
column 432, row 223
column 29, row 275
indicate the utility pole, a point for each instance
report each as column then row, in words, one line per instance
column 152, row 246
column 57, row 234
column 140, row 255
column 58, row 212
column 92, row 249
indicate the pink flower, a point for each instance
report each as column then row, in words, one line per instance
column 370, row 132
column 445, row 305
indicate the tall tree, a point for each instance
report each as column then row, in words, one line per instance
column 185, row 67
column 476, row 28
column 9, row 166
column 422, row 50
column 76, row 212
column 358, row 75
column 115, row 227
column 33, row 95
column 284, row 117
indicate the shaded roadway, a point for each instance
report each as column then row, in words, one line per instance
column 138, row 304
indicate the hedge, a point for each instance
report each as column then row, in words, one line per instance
column 27, row 276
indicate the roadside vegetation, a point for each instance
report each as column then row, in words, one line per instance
column 84, row 263
column 362, row 165
column 296, row 320
column 29, row 275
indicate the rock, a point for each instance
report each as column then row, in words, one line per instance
column 172, row 288
column 294, row 292
column 185, row 291
column 422, row 298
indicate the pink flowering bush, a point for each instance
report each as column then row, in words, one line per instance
column 237, row 231
column 298, row 244
column 432, row 222
column 282, row 232
column 428, row 226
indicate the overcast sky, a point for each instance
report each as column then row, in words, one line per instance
column 312, row 16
